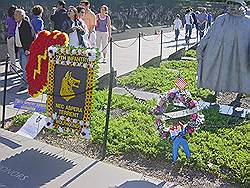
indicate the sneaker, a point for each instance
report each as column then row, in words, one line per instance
column 104, row 61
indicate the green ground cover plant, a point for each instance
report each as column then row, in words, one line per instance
column 190, row 53
column 218, row 147
column 162, row 79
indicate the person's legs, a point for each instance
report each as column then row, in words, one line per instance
column 23, row 63
column 185, row 147
column 177, row 32
column 98, row 40
column 176, row 145
column 104, row 45
column 92, row 39
column 190, row 32
column 11, row 50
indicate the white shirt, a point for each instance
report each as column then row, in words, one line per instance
column 188, row 19
column 73, row 38
column 177, row 23
column 17, row 36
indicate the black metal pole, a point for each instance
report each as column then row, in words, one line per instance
column 176, row 45
column 161, row 45
column 109, row 104
column 4, row 91
column 139, row 50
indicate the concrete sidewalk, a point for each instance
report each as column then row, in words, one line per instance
column 27, row 163
column 125, row 52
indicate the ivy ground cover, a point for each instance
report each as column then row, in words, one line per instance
column 221, row 146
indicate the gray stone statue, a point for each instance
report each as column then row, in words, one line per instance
column 224, row 52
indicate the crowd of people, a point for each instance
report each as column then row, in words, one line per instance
column 132, row 15
column 83, row 26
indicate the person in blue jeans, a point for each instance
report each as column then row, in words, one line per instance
column 177, row 135
column 188, row 25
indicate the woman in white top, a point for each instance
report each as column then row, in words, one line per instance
column 177, row 26
column 81, row 11
column 73, row 27
column 103, row 28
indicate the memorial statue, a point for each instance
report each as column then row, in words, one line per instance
column 224, row 52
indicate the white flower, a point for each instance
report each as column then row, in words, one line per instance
column 67, row 51
column 91, row 65
column 79, row 52
column 62, row 50
column 67, row 62
column 74, row 63
column 84, row 65
column 73, row 51
column 61, row 117
column 81, row 123
column 61, row 129
column 74, row 121
column 91, row 54
column 68, row 119
column 54, row 116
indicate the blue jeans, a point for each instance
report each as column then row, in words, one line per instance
column 177, row 142
column 188, row 32
column 177, row 33
column 23, row 60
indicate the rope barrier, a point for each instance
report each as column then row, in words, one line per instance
column 167, row 36
column 150, row 40
column 126, row 46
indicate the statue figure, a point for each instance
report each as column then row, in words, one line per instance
column 224, row 52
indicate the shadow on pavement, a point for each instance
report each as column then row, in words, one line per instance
column 140, row 184
column 9, row 143
column 32, row 168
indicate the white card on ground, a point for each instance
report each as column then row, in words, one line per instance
column 33, row 126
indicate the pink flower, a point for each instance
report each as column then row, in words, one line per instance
column 171, row 95
column 192, row 103
column 194, row 117
column 163, row 136
column 182, row 98
column 157, row 121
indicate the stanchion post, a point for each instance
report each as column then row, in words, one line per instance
column 109, row 104
column 161, row 45
column 4, row 91
column 176, row 45
column 139, row 50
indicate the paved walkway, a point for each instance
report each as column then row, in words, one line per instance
column 27, row 163
column 125, row 57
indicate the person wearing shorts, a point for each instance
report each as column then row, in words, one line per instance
column 103, row 31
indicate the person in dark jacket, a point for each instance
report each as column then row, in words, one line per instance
column 59, row 15
column 74, row 28
column 23, row 40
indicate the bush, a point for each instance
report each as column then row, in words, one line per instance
column 190, row 53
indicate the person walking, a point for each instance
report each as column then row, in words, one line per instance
column 188, row 25
column 73, row 27
column 177, row 26
column 202, row 20
column 23, row 40
column 90, row 21
column 11, row 27
column 81, row 11
column 103, row 28
column 37, row 21
column 59, row 15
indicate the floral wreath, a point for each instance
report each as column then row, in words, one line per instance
column 180, row 98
